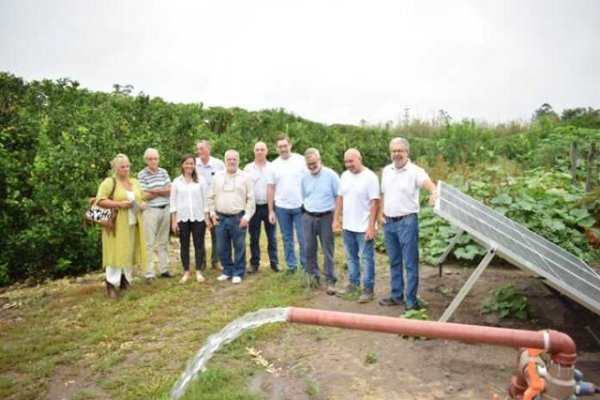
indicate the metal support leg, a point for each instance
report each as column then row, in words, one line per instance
column 468, row 285
column 448, row 250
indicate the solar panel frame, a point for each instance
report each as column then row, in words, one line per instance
column 493, row 230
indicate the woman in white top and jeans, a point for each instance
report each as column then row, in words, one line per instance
column 189, row 214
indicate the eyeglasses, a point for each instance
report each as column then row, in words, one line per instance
column 312, row 165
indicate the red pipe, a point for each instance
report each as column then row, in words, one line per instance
column 559, row 345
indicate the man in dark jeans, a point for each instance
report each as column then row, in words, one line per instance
column 207, row 167
column 258, row 171
column 319, row 194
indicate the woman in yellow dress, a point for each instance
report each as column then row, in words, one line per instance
column 126, row 246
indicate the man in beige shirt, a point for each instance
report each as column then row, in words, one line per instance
column 231, row 205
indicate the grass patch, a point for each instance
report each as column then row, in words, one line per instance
column 137, row 347
column 371, row 358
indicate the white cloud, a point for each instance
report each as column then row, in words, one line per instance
column 331, row 61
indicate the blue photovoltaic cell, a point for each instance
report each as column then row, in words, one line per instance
column 520, row 246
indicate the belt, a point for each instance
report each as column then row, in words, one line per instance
column 262, row 205
column 318, row 214
column 220, row 214
column 399, row 218
column 161, row 207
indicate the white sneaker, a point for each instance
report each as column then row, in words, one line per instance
column 185, row 277
column 236, row 279
column 199, row 277
column 223, row 277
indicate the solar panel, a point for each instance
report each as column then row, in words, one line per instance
column 518, row 245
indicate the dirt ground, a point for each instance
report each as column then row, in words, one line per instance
column 331, row 363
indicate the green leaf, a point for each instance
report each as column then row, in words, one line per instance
column 587, row 223
column 502, row 199
column 553, row 224
column 468, row 253
column 579, row 213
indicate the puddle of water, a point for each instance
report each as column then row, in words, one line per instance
column 228, row 334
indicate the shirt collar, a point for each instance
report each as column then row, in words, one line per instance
column 207, row 165
column 149, row 171
column 408, row 165
column 237, row 173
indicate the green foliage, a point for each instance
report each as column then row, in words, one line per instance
column 508, row 302
column 543, row 201
column 582, row 117
column 420, row 314
column 57, row 140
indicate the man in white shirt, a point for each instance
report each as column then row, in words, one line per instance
column 207, row 167
column 284, row 192
column 259, row 170
column 358, row 199
column 231, row 205
column 400, row 184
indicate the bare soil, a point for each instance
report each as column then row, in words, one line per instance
column 330, row 363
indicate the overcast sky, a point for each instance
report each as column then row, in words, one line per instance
column 329, row 61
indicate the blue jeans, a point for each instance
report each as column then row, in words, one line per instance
column 402, row 246
column 360, row 251
column 290, row 219
column 262, row 215
column 229, row 233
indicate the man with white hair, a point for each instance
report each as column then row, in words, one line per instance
column 156, row 185
column 231, row 206
column 401, row 182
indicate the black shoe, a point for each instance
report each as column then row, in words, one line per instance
column 167, row 274
column 413, row 307
column 253, row 269
column 390, row 301
column 275, row 268
column 291, row 271
column 124, row 283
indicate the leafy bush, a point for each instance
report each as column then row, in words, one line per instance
column 508, row 302
column 56, row 142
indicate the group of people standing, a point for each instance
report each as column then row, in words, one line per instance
column 298, row 192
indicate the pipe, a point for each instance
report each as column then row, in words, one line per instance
column 559, row 345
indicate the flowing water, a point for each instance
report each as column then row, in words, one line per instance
column 228, row 334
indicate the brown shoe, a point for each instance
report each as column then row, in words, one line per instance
column 111, row 291
column 124, row 283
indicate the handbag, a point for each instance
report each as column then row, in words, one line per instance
column 104, row 217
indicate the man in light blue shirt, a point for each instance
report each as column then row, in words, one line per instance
column 319, row 194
